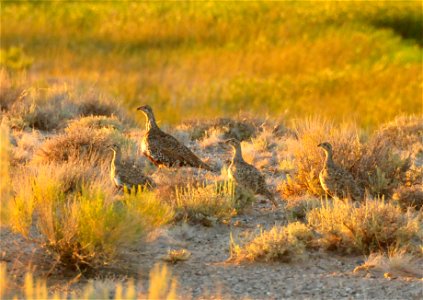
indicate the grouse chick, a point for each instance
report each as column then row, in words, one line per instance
column 127, row 173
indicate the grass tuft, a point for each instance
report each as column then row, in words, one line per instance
column 277, row 244
column 374, row 225
column 162, row 285
column 206, row 204
column 85, row 226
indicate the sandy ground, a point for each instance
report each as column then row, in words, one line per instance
column 207, row 274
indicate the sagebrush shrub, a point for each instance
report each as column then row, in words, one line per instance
column 374, row 164
column 409, row 196
column 371, row 226
column 83, row 227
column 49, row 108
column 83, row 143
column 280, row 243
column 309, row 158
column 205, row 203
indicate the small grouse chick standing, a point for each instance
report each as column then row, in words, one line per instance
column 163, row 149
column 335, row 180
column 127, row 173
column 247, row 175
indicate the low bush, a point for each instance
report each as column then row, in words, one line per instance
column 374, row 164
column 95, row 122
column 51, row 107
column 309, row 158
column 83, row 144
column 205, row 204
column 409, row 196
column 277, row 244
column 82, row 228
column 374, row 225
column 403, row 133
column 379, row 169
column 391, row 265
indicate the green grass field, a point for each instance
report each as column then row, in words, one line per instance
column 356, row 61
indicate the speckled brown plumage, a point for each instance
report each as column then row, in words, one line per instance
column 127, row 173
column 163, row 149
column 247, row 175
column 336, row 181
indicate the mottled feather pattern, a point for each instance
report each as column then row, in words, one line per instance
column 127, row 172
column 247, row 175
column 164, row 150
column 336, row 181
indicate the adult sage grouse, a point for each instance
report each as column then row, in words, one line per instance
column 335, row 180
column 127, row 173
column 247, row 175
column 163, row 149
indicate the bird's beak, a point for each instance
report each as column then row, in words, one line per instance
column 320, row 145
column 141, row 108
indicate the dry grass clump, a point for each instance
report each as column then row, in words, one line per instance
column 205, row 204
column 373, row 225
column 49, row 108
column 26, row 144
column 175, row 255
column 404, row 133
column 374, row 164
column 162, row 285
column 96, row 122
column 83, row 227
column 409, row 196
column 277, row 244
column 10, row 90
column 379, row 169
column 391, row 265
column 81, row 144
column 239, row 128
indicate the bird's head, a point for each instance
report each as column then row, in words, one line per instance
column 146, row 109
column 234, row 143
column 326, row 146
column 113, row 148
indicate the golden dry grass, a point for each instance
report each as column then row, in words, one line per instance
column 162, row 285
column 277, row 244
column 371, row 226
column 334, row 59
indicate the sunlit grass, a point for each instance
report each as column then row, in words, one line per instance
column 84, row 226
column 280, row 243
column 375, row 225
column 162, row 285
column 207, row 203
column 342, row 60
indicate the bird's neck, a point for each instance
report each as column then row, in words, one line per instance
column 151, row 122
column 329, row 158
column 116, row 158
column 237, row 156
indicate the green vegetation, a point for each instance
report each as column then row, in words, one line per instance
column 281, row 77
column 350, row 60
column 83, row 226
